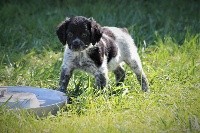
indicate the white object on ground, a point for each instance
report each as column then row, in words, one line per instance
column 20, row 100
column 40, row 101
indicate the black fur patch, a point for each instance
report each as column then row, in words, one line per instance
column 61, row 31
column 96, row 53
column 111, row 48
column 108, row 33
column 96, row 32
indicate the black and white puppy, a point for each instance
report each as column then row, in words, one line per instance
column 95, row 49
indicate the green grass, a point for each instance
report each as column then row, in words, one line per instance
column 31, row 55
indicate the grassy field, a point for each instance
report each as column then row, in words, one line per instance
column 167, row 34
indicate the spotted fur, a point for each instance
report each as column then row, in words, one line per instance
column 101, row 50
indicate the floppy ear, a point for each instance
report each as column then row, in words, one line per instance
column 61, row 31
column 95, row 31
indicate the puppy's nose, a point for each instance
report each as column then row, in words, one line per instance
column 76, row 42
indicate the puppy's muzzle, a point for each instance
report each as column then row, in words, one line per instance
column 77, row 44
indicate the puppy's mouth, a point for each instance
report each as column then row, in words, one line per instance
column 75, row 48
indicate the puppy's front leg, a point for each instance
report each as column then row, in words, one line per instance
column 64, row 79
column 101, row 80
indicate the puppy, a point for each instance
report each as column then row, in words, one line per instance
column 96, row 49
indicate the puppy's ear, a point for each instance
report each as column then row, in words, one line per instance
column 61, row 31
column 96, row 31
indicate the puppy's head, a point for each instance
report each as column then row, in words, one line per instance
column 79, row 32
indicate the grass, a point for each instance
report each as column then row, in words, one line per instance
column 31, row 55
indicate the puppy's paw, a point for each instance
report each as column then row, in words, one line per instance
column 145, row 88
column 69, row 100
column 62, row 89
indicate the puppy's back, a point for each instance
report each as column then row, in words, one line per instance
column 123, row 41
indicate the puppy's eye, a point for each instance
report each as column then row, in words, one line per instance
column 70, row 35
column 84, row 35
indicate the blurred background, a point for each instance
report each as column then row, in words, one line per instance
column 25, row 24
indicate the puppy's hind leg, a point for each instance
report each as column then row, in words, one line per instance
column 119, row 75
column 135, row 63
